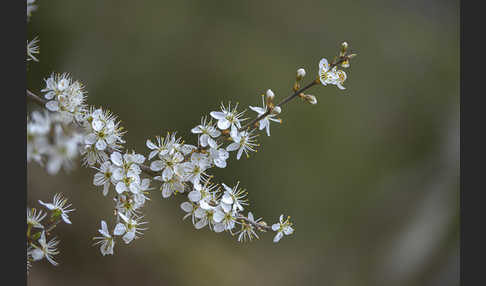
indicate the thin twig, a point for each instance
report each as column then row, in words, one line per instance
column 35, row 98
column 255, row 224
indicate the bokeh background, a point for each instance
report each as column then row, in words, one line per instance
column 370, row 175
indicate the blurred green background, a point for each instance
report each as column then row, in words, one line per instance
column 370, row 175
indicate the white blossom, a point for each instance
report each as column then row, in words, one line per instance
column 32, row 48
column 46, row 249
column 104, row 177
column 203, row 193
column 224, row 219
column 218, row 157
column 242, row 141
column 247, row 231
column 228, row 117
column 38, row 127
column 174, row 185
column 30, row 8
column 103, row 130
column 208, row 133
column 60, row 207
column 205, row 217
column 63, row 151
column 194, row 169
column 264, row 123
column 233, row 198
column 282, row 227
column 331, row 76
column 129, row 229
column 106, row 241
column 190, row 209
column 126, row 171
column 34, row 218
column 169, row 165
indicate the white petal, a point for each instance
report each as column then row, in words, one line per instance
column 119, row 229
column 194, row 196
column 128, row 237
column 218, row 115
column 150, row 145
column 116, row 158
column 219, row 227
column 157, row 165
column 323, row 64
column 233, row 147
column 257, row 109
column 223, row 124
column 212, row 143
column 196, row 130
column 275, row 226
column 277, row 237
column 99, row 179
column 226, row 207
column 52, row 105
column 201, row 223
column 238, row 156
column 117, row 174
column 218, row 216
column 101, row 145
column 65, row 218
column 167, row 174
column 186, row 206
column 227, row 199
column 153, row 154
column 203, row 140
column 106, row 188
column 37, row 254
column 121, row 187
column 90, row 139
column 288, row 230
column 97, row 125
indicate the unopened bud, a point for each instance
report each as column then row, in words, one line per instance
column 270, row 95
column 310, row 99
column 276, row 110
column 345, row 63
column 344, row 47
column 300, row 73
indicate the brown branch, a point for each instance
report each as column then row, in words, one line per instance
column 289, row 98
column 261, row 227
column 35, row 98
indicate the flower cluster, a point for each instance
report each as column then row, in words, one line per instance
column 65, row 96
column 49, row 141
column 38, row 247
column 329, row 74
column 71, row 128
column 103, row 135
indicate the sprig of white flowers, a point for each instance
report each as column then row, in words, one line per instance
column 72, row 128
column 38, row 247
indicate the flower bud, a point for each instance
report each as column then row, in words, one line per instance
column 345, row 63
column 344, row 47
column 276, row 110
column 300, row 73
column 270, row 95
column 310, row 99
